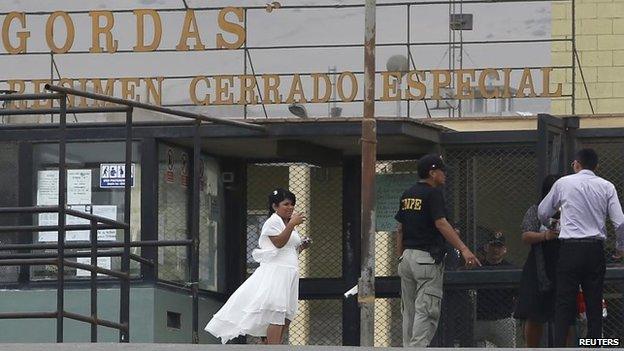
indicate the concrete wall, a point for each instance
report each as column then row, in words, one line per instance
column 9, row 198
column 600, row 44
column 77, row 301
column 148, row 315
column 475, row 124
column 166, row 300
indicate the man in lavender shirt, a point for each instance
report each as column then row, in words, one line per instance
column 585, row 200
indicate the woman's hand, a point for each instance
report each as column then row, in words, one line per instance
column 550, row 235
column 305, row 243
column 297, row 218
column 280, row 240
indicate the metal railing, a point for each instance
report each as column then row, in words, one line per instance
column 59, row 259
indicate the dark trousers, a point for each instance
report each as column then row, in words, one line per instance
column 580, row 263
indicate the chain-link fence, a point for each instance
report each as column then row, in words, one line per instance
column 392, row 179
column 611, row 168
column 319, row 323
column 318, row 192
column 488, row 191
column 173, row 218
column 613, row 326
column 388, row 322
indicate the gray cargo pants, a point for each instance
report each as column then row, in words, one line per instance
column 421, row 297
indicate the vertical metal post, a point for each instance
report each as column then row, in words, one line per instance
column 409, row 54
column 573, row 61
column 25, row 199
column 542, row 152
column 245, row 58
column 235, row 216
column 366, row 294
column 451, row 51
column 195, row 232
column 570, row 142
column 62, row 200
column 461, row 56
column 124, row 305
column 94, row 314
column 149, row 206
column 51, row 80
column 351, row 241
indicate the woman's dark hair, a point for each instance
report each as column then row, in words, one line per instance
column 548, row 183
column 278, row 195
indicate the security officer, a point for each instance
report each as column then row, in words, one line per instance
column 494, row 322
column 422, row 231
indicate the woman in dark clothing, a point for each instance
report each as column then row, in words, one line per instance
column 536, row 299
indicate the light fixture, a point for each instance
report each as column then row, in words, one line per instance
column 273, row 6
column 298, row 110
column 335, row 111
column 398, row 63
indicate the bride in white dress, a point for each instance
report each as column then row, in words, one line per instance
column 266, row 302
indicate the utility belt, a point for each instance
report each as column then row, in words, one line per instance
column 583, row 240
column 438, row 253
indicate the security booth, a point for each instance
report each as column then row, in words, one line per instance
column 106, row 271
column 198, row 195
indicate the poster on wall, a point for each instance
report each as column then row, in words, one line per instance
column 212, row 177
column 110, row 212
column 202, row 176
column 78, row 235
column 209, row 260
column 389, row 190
column 78, row 195
column 48, row 219
column 47, row 188
column 169, row 175
column 70, row 235
column 113, row 175
column 78, row 187
column 184, row 170
column 102, row 262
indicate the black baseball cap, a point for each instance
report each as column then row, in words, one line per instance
column 428, row 163
column 497, row 238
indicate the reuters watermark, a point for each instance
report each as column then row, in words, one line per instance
column 614, row 342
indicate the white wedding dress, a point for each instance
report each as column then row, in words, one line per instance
column 269, row 295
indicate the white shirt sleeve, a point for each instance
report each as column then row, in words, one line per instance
column 273, row 226
column 616, row 216
column 550, row 204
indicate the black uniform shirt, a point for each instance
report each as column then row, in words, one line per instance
column 420, row 206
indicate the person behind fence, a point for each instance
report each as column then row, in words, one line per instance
column 422, row 231
column 266, row 303
column 584, row 200
column 494, row 322
column 536, row 298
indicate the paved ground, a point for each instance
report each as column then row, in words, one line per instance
column 188, row 347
